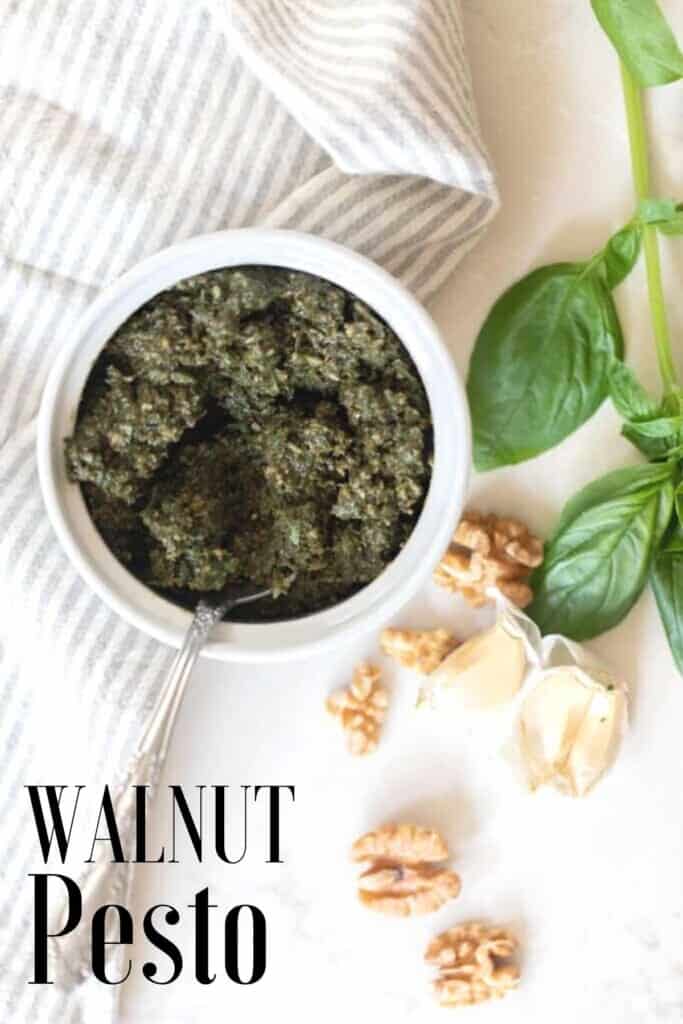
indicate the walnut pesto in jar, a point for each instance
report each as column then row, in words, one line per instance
column 255, row 425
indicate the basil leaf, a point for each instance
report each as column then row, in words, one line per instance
column 652, row 446
column 649, row 425
column 540, row 363
column 672, row 403
column 673, row 542
column 663, row 427
column 597, row 563
column 673, row 226
column 657, row 211
column 621, row 253
column 643, row 39
column 629, row 397
column 667, row 584
column 665, row 214
column 656, row 439
column 626, row 482
column 678, row 501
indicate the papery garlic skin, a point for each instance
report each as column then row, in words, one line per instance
column 483, row 672
column 570, row 727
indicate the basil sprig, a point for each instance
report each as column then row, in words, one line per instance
column 549, row 353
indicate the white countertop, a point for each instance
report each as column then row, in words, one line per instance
column 594, row 889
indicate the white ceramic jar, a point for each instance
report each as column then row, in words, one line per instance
column 375, row 603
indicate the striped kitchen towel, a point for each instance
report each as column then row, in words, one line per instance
column 126, row 125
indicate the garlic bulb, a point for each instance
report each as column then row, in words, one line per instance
column 570, row 727
column 483, row 672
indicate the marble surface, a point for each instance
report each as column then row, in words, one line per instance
column 594, row 889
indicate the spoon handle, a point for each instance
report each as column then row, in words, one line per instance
column 156, row 737
column 105, row 882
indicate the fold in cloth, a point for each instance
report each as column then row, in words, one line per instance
column 126, row 125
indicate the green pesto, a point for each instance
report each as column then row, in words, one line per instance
column 254, row 425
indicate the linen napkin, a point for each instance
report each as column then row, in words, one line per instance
column 126, row 125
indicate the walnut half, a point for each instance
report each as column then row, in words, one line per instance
column 404, row 876
column 422, row 650
column 490, row 551
column 474, row 962
column 361, row 709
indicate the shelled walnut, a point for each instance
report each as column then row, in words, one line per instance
column 361, row 708
column 404, row 876
column 487, row 551
column 474, row 964
column 422, row 650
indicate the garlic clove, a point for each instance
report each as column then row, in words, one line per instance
column 550, row 720
column 597, row 740
column 483, row 672
column 570, row 726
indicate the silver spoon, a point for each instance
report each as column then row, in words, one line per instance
column 157, row 734
column 110, row 883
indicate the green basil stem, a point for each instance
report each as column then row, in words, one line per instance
column 641, row 177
